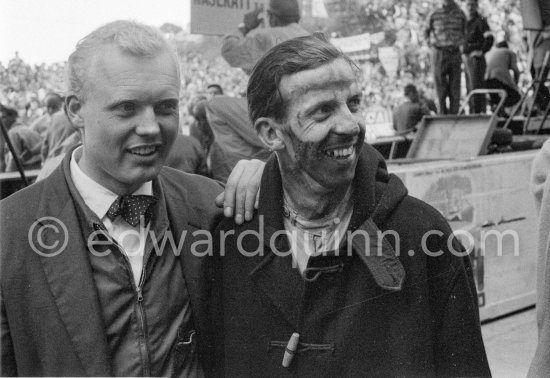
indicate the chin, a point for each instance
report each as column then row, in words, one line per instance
column 144, row 174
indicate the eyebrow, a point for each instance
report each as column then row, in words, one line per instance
column 322, row 85
column 310, row 110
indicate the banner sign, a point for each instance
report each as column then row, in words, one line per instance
column 488, row 203
column 352, row 44
column 219, row 17
column 378, row 122
column 390, row 60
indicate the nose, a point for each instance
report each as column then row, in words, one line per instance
column 348, row 123
column 148, row 122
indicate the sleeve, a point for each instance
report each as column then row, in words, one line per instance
column 429, row 29
column 488, row 37
column 16, row 142
column 2, row 153
column 243, row 52
column 463, row 18
column 514, row 66
column 45, row 147
column 539, row 173
column 458, row 347
column 200, row 166
column 7, row 364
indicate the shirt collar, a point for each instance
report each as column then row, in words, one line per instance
column 97, row 197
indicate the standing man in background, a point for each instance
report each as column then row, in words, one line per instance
column 446, row 26
column 53, row 103
column 478, row 40
column 244, row 47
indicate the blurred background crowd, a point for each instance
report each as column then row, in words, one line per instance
column 24, row 86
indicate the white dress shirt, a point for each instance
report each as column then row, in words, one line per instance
column 99, row 199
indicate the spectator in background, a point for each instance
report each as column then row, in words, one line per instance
column 187, row 155
column 25, row 142
column 500, row 61
column 407, row 114
column 214, row 90
column 199, row 128
column 244, row 47
column 53, row 103
column 446, row 26
column 53, row 143
column 234, row 135
column 478, row 40
column 202, row 130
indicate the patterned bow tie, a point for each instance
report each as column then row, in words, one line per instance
column 131, row 208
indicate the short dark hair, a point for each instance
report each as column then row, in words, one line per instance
column 502, row 44
column 6, row 111
column 53, row 100
column 286, row 11
column 287, row 58
column 410, row 89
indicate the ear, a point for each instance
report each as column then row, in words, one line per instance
column 73, row 107
column 269, row 132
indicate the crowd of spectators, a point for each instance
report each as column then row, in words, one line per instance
column 23, row 86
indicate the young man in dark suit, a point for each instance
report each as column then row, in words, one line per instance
column 104, row 266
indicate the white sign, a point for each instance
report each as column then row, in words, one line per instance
column 378, row 122
column 389, row 59
column 352, row 44
column 219, row 17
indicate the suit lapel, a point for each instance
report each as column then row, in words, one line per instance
column 195, row 268
column 70, row 277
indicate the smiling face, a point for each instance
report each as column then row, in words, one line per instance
column 323, row 130
column 129, row 118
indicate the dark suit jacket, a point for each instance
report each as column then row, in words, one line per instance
column 51, row 322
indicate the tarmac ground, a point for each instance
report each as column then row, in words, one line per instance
column 510, row 343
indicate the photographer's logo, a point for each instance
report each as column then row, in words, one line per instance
column 57, row 236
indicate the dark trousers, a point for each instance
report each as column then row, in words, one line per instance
column 447, row 71
column 513, row 96
column 543, row 96
column 475, row 67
